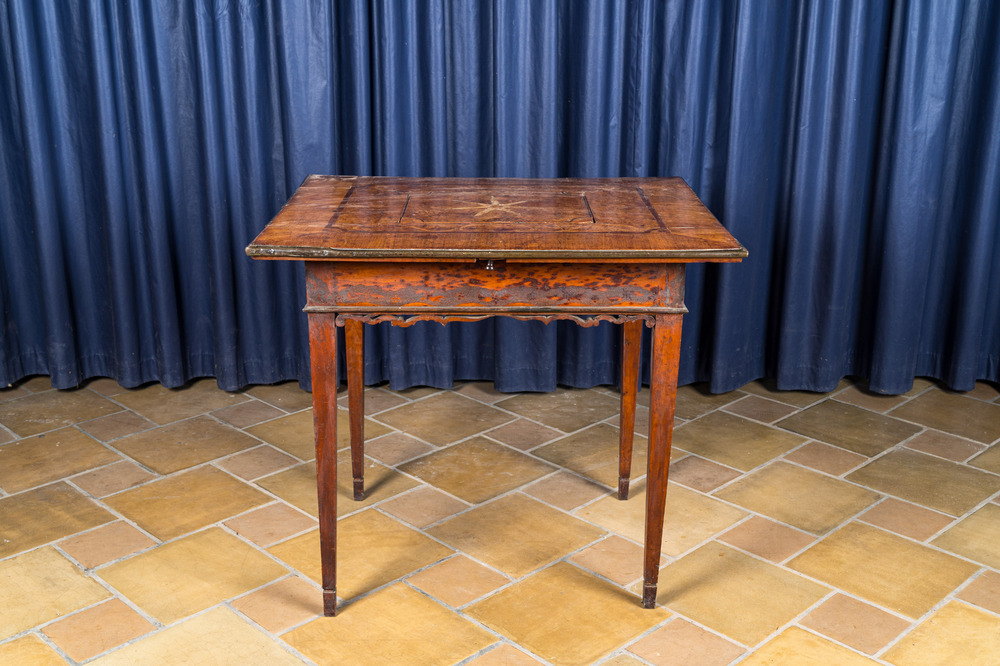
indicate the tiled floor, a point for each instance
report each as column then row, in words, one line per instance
column 159, row 526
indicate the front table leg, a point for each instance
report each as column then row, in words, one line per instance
column 323, row 354
column 354, row 337
column 663, row 395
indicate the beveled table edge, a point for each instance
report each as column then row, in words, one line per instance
column 382, row 254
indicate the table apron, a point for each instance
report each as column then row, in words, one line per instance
column 494, row 288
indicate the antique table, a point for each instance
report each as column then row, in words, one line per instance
column 448, row 249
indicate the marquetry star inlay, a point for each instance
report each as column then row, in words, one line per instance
column 493, row 206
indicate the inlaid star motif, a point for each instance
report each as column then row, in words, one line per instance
column 493, row 206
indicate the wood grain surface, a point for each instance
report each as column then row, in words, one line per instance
column 343, row 217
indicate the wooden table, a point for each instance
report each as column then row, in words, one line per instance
column 403, row 250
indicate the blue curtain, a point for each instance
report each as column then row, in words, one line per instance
column 852, row 145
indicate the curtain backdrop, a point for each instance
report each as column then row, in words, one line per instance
column 852, row 146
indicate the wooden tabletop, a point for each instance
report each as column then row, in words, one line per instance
column 380, row 218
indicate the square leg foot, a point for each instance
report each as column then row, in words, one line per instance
column 649, row 596
column 329, row 603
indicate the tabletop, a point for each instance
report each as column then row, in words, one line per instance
column 392, row 218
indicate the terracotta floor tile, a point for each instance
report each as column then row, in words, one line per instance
column 759, row 409
column 797, row 646
column 920, row 384
column 257, row 462
column 477, row 469
column 564, row 490
column 376, row 400
column 31, row 650
column 944, row 445
column 422, row 506
column 906, row 519
column 444, row 418
column 394, row 626
column 615, row 558
column 690, row 518
column 984, row 591
column 593, row 453
column 113, row 426
column 855, row 623
column 701, row 474
column 849, row 427
column 186, row 502
column 395, row 448
column 270, row 524
column 248, row 413
column 294, row 433
column 297, row 485
column 178, row 446
column 799, row 497
column 985, row 391
column 191, row 574
column 282, row 605
column 876, row 571
column 920, row 478
column 825, row 458
column 8, row 393
column 552, row 614
column 34, row 414
column 954, row 413
column 105, row 544
column 735, row 594
column 39, row 460
column 287, row 396
column 504, row 655
column 515, row 534
column 956, row 634
column 874, row 402
column 36, row 384
column 623, row 659
column 641, row 421
column 694, row 400
column 215, row 637
column 680, row 643
column 113, row 478
column 988, row 459
column 97, row 629
column 162, row 405
column 417, row 392
column 734, row 441
column 39, row 586
column 976, row 537
column 563, row 409
column 767, row 539
column 105, row 386
column 523, row 434
column 372, row 550
column 457, row 581
column 886, row 569
column 481, row 391
column 766, row 388
column 38, row 516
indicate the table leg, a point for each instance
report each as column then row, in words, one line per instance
column 663, row 395
column 323, row 354
column 354, row 337
column 631, row 342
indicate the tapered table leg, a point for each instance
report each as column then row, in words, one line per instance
column 631, row 342
column 323, row 353
column 663, row 394
column 354, row 337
